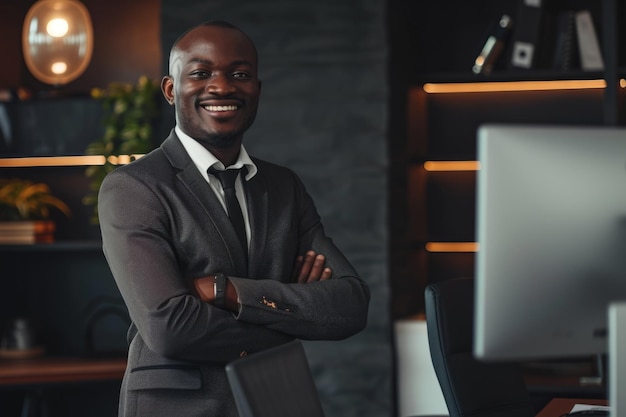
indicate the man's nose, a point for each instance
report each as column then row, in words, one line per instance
column 220, row 84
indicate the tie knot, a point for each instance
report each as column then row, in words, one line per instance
column 227, row 177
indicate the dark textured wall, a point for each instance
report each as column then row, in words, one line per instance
column 323, row 113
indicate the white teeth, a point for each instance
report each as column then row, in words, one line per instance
column 221, row 108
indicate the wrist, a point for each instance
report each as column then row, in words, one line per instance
column 219, row 290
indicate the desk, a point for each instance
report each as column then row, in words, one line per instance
column 561, row 380
column 559, row 406
column 49, row 370
column 563, row 387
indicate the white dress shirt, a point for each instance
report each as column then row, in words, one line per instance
column 203, row 160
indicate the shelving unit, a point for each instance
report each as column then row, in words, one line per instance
column 442, row 202
column 61, row 286
column 441, row 126
column 67, row 289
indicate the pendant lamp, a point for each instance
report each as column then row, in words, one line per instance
column 57, row 40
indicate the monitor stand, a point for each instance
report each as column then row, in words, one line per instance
column 600, row 378
column 617, row 359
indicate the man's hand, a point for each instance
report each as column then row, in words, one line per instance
column 310, row 268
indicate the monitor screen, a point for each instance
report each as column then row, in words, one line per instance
column 551, row 230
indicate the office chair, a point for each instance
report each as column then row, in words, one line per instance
column 470, row 387
column 275, row 383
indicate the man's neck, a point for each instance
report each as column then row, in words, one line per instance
column 226, row 156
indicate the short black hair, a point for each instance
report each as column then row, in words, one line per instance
column 216, row 23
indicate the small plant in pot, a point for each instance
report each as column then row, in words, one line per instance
column 130, row 111
column 25, row 211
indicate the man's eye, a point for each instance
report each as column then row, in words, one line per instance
column 200, row 74
column 241, row 75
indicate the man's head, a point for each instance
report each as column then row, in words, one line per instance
column 213, row 82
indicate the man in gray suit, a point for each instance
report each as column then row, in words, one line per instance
column 198, row 295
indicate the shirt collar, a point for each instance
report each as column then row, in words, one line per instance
column 203, row 159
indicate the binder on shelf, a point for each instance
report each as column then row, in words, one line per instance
column 526, row 34
column 588, row 45
column 493, row 47
column 565, row 45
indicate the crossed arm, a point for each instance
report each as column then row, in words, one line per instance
column 308, row 268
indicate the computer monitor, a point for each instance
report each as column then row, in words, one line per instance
column 551, row 229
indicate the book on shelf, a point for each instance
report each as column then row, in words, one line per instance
column 548, row 38
column 565, row 46
column 576, row 44
column 26, row 232
column 526, row 34
column 17, row 240
column 588, row 45
column 493, row 46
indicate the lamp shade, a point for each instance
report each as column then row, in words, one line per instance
column 57, row 40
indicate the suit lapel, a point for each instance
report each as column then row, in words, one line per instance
column 196, row 184
column 257, row 202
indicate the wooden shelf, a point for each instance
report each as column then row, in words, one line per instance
column 48, row 370
column 506, row 76
column 58, row 246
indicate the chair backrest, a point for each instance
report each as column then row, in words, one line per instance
column 275, row 383
column 470, row 387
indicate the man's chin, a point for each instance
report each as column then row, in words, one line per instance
column 221, row 140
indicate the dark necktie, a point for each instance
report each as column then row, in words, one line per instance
column 227, row 179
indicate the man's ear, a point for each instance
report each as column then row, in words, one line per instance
column 167, row 87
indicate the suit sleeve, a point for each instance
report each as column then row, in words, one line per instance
column 325, row 310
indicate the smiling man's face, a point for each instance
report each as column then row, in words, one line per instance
column 214, row 85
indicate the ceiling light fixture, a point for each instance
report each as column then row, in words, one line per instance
column 57, row 40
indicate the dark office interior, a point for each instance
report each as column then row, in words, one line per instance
column 342, row 94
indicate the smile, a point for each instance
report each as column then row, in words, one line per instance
column 221, row 108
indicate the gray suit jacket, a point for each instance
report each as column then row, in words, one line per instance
column 161, row 227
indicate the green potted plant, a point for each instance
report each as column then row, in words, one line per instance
column 25, row 211
column 130, row 111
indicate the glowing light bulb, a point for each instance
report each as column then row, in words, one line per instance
column 57, row 27
column 58, row 67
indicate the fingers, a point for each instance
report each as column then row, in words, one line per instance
column 326, row 273
column 312, row 268
column 317, row 268
column 306, row 266
column 297, row 268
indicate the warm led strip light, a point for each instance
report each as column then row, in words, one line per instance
column 436, row 88
column 492, row 86
column 59, row 161
column 452, row 247
column 451, row 165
